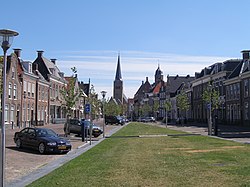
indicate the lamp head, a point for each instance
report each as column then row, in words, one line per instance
column 6, row 38
column 103, row 93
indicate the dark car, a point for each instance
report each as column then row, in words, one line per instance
column 75, row 127
column 41, row 139
column 114, row 120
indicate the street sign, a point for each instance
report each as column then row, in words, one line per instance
column 208, row 106
column 87, row 108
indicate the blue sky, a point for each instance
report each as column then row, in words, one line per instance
column 183, row 36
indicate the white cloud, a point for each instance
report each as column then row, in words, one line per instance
column 100, row 66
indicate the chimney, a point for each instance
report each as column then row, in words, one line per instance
column 142, row 82
column 146, row 79
column 40, row 54
column 245, row 54
column 53, row 60
column 17, row 52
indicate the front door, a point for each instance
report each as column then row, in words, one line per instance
column 17, row 118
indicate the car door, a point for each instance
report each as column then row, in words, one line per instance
column 32, row 138
column 22, row 135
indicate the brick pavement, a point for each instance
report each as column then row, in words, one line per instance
column 21, row 162
column 239, row 134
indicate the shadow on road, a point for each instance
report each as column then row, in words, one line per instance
column 29, row 150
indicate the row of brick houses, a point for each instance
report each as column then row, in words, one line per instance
column 33, row 92
column 230, row 78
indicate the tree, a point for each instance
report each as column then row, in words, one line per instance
column 211, row 97
column 94, row 102
column 168, row 107
column 112, row 109
column 155, row 107
column 70, row 96
column 182, row 103
column 145, row 109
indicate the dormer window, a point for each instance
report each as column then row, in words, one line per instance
column 30, row 68
column 52, row 70
column 13, row 73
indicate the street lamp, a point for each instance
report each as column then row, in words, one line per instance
column 103, row 97
column 6, row 38
column 210, row 110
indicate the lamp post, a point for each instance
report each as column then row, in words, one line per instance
column 6, row 38
column 210, row 111
column 103, row 97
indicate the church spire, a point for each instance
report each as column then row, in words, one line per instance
column 118, row 75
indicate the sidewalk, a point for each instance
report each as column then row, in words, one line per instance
column 239, row 134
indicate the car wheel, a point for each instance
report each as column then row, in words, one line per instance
column 18, row 143
column 41, row 148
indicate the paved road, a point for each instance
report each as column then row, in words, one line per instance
column 24, row 166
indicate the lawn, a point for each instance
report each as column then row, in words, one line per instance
column 127, row 160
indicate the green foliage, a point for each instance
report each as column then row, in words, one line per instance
column 94, row 102
column 145, row 109
column 211, row 95
column 156, row 106
column 70, row 95
column 112, row 109
column 182, row 101
column 168, row 105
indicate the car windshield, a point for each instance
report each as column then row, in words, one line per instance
column 45, row 132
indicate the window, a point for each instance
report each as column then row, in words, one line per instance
column 14, row 92
column 39, row 93
column 24, row 88
column 6, row 113
column 12, row 109
column 42, row 115
column 238, row 90
column 13, row 73
column 10, row 90
column 231, row 91
column 56, row 90
column 24, row 112
column 32, row 90
column 30, row 68
column 246, row 88
column 29, row 88
column 246, row 111
column 38, row 114
column 28, row 112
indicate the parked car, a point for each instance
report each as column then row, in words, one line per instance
column 114, row 120
column 146, row 119
column 41, row 139
column 149, row 119
column 96, row 130
column 75, row 127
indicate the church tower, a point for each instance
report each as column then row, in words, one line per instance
column 118, row 83
column 158, row 75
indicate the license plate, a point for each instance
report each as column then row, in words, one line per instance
column 62, row 147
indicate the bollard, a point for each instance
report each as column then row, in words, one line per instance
column 12, row 125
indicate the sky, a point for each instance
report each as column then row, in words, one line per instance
column 180, row 36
